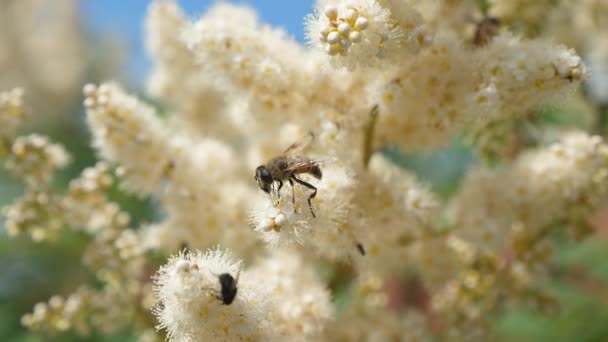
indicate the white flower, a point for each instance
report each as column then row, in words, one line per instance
column 517, row 76
column 128, row 132
column 359, row 33
column 12, row 113
column 352, row 32
column 280, row 221
column 191, row 306
column 35, row 158
column 303, row 303
column 397, row 211
column 197, row 100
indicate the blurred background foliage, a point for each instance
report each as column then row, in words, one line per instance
column 103, row 40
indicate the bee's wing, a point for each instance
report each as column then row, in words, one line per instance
column 302, row 143
column 300, row 165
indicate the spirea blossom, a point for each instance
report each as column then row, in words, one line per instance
column 281, row 222
column 120, row 123
column 303, row 304
column 36, row 158
column 403, row 212
column 442, row 90
column 364, row 33
column 427, row 93
column 35, row 28
column 191, row 306
column 12, row 114
column 539, row 188
column 245, row 55
column 196, row 100
column 508, row 67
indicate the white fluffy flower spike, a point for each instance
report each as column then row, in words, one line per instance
column 280, row 222
column 191, row 306
column 358, row 33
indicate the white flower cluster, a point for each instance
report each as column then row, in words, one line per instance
column 302, row 304
column 207, row 296
column 30, row 29
column 364, row 33
column 185, row 174
column 193, row 304
column 121, row 124
column 12, row 114
column 541, row 187
column 445, row 88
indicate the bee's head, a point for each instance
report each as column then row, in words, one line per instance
column 264, row 178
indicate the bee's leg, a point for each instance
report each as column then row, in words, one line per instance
column 293, row 193
column 279, row 189
column 314, row 193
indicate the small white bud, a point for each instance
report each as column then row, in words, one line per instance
column 351, row 15
column 333, row 37
column 89, row 102
column 266, row 225
column 121, row 171
column 56, row 302
column 345, row 43
column 355, row 36
column 27, row 320
column 182, row 266
column 332, row 50
column 102, row 99
column 361, row 23
column 344, row 28
column 331, row 12
column 89, row 89
column 40, row 310
column 104, row 89
column 280, row 219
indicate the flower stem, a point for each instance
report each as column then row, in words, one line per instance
column 368, row 139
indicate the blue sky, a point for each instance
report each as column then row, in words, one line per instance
column 125, row 19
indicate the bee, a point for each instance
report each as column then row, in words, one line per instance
column 229, row 289
column 485, row 30
column 287, row 167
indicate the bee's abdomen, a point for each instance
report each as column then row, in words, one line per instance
column 316, row 172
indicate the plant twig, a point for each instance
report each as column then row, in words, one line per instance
column 368, row 139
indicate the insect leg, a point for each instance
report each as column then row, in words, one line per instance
column 279, row 189
column 314, row 193
column 360, row 248
column 293, row 194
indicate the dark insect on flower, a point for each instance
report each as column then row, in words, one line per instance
column 360, row 248
column 287, row 167
column 229, row 289
column 486, row 30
